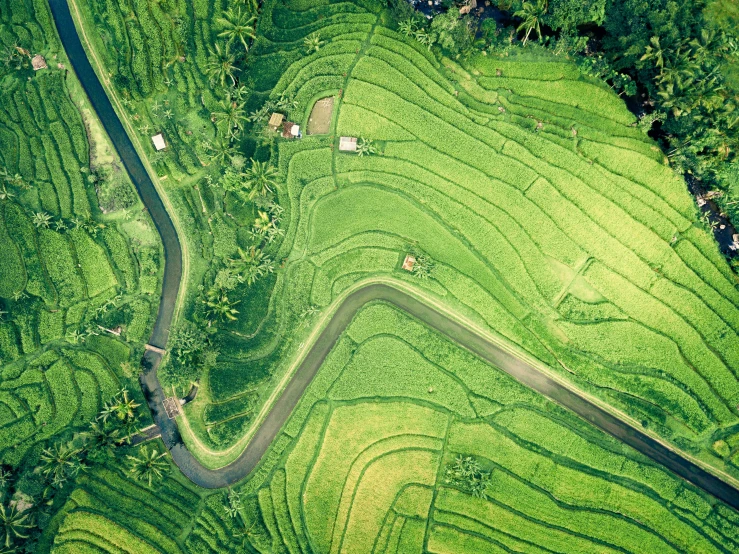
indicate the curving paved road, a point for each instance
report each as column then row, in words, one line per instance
column 283, row 407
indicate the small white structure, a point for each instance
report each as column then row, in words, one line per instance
column 158, row 141
column 295, row 130
column 348, row 144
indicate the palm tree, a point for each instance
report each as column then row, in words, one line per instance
column 654, row 52
column 102, row 439
column 251, row 265
column 122, row 407
column 259, row 179
column 219, row 152
column 263, row 223
column 41, row 219
column 148, row 465
column 6, row 194
column 14, row 525
column 313, row 42
column 407, row 27
column 59, row 461
column 425, row 38
column 237, row 25
column 531, row 15
column 221, row 65
column 231, row 118
column 365, row 147
column 218, row 307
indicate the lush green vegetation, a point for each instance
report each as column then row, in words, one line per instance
column 405, row 443
column 533, row 201
column 544, row 211
column 79, row 274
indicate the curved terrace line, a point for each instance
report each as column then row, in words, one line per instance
column 448, row 323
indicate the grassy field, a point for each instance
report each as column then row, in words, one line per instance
column 80, row 257
column 548, row 217
column 368, row 463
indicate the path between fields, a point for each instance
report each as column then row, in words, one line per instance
column 279, row 406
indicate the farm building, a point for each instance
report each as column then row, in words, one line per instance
column 291, row 130
column 275, row 121
column 158, row 141
column 348, row 144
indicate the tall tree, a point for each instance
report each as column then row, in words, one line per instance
column 221, row 65
column 238, row 25
column 532, row 14
column 15, row 525
column 231, row 117
column 260, row 179
column 148, row 465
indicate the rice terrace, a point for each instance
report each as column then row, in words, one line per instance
column 369, row 276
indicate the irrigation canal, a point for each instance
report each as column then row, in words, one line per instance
column 283, row 407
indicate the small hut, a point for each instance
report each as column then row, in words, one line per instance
column 290, row 130
column 38, row 62
column 158, row 141
column 275, row 121
column 409, row 262
column 348, row 144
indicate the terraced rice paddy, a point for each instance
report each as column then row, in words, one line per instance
column 549, row 217
column 108, row 512
column 67, row 271
column 362, row 465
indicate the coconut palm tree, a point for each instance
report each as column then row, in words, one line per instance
column 41, row 220
column 148, row 465
column 231, row 117
column 6, row 194
column 219, row 152
column 237, row 25
column 531, row 13
column 59, row 461
column 260, row 179
column 122, row 407
column 251, row 265
column 218, row 307
column 313, row 42
column 102, row 439
column 14, row 525
column 220, row 66
column 365, row 147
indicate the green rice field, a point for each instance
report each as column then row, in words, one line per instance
column 549, row 218
column 365, row 464
column 70, row 273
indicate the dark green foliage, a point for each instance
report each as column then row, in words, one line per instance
column 191, row 355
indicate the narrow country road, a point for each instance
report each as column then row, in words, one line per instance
column 303, row 375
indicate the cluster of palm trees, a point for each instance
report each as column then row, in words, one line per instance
column 13, row 180
column 43, row 220
column 691, row 90
column 62, row 461
column 466, row 473
column 236, row 29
